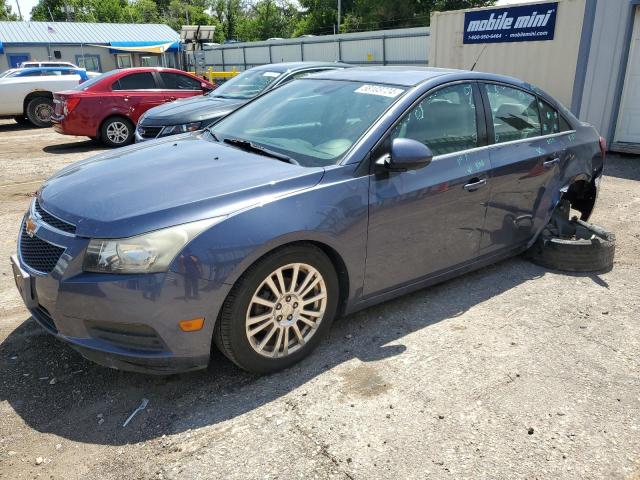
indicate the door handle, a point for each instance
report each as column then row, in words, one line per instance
column 475, row 184
column 551, row 163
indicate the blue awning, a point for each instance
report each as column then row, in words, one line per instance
column 125, row 46
column 1, row 48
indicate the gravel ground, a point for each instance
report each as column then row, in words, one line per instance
column 513, row 371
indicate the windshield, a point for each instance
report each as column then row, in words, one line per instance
column 93, row 80
column 9, row 73
column 246, row 85
column 314, row 122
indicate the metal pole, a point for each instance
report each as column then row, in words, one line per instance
column 19, row 12
column 244, row 57
column 339, row 13
column 384, row 50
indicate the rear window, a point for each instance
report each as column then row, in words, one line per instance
column 135, row 81
column 175, row 81
column 92, row 81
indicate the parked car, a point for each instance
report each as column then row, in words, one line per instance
column 195, row 113
column 49, row 71
column 107, row 108
column 322, row 197
column 47, row 63
column 26, row 94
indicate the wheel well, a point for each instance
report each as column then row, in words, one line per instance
column 33, row 95
column 582, row 197
column 341, row 271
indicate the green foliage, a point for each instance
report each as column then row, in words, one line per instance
column 5, row 11
column 249, row 20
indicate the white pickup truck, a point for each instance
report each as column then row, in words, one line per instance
column 26, row 94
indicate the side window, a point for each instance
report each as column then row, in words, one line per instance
column 550, row 118
column 445, row 121
column 175, row 81
column 515, row 113
column 135, row 81
column 564, row 125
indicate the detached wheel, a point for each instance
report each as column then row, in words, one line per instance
column 39, row 111
column 22, row 120
column 116, row 132
column 279, row 310
column 589, row 248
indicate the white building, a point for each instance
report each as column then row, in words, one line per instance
column 95, row 46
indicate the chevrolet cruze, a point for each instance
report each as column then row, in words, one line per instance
column 324, row 196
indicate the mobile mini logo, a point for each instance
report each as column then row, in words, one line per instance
column 505, row 22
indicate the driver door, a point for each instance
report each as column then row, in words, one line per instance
column 426, row 221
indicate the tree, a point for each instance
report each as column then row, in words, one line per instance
column 268, row 19
column 320, row 16
column 142, row 11
column 5, row 11
column 228, row 13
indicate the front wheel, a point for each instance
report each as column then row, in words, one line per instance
column 116, row 132
column 279, row 310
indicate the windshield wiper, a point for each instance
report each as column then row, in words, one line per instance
column 248, row 146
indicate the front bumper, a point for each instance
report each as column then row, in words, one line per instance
column 128, row 322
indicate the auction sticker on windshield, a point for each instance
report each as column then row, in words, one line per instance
column 271, row 74
column 380, row 90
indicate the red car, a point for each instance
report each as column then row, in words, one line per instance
column 108, row 107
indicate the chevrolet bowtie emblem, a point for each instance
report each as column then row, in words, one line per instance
column 31, row 227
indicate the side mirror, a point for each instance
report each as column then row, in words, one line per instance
column 205, row 87
column 406, row 154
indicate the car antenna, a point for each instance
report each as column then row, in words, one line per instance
column 477, row 59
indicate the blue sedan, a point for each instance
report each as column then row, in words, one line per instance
column 322, row 197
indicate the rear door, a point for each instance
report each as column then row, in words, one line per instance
column 177, row 86
column 136, row 93
column 430, row 220
column 526, row 159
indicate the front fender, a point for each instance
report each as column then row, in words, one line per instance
column 333, row 213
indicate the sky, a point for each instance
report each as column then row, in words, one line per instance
column 27, row 5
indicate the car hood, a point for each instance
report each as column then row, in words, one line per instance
column 194, row 109
column 167, row 182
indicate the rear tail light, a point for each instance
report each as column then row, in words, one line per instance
column 603, row 146
column 70, row 104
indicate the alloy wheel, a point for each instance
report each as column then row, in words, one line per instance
column 117, row 132
column 286, row 310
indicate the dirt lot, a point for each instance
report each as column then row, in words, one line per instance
column 510, row 372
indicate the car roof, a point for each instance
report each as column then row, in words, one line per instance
column 411, row 76
column 289, row 66
column 48, row 69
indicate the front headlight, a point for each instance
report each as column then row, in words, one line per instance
column 148, row 253
column 184, row 128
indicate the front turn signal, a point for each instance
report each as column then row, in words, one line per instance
column 192, row 325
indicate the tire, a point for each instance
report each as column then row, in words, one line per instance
column 117, row 132
column 233, row 335
column 22, row 120
column 39, row 110
column 591, row 249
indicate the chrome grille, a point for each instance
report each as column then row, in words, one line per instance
column 53, row 221
column 38, row 254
